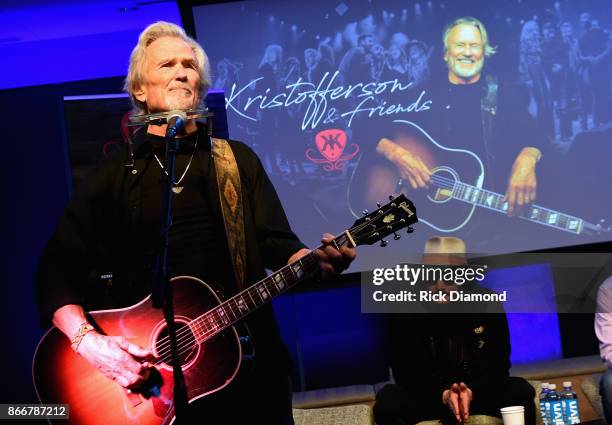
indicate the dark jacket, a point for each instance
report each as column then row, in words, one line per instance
column 430, row 352
column 96, row 235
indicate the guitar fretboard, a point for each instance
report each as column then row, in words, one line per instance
column 245, row 302
column 494, row 201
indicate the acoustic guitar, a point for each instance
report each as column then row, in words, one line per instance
column 209, row 343
column 456, row 191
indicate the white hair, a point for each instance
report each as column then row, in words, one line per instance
column 468, row 20
column 153, row 32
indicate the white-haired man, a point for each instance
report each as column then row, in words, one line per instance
column 453, row 362
column 114, row 225
column 468, row 113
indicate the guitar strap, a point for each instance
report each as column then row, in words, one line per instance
column 488, row 109
column 230, row 197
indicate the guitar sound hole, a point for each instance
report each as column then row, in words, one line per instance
column 186, row 341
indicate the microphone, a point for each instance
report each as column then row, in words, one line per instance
column 160, row 118
column 176, row 120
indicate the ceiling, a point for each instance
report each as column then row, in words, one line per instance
column 65, row 40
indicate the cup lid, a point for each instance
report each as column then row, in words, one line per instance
column 512, row 409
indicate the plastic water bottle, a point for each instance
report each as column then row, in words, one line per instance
column 556, row 406
column 544, row 404
column 570, row 404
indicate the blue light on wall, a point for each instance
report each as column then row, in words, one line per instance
column 70, row 42
column 330, row 341
column 333, row 344
column 533, row 336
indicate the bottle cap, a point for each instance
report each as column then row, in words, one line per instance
column 567, row 384
column 552, row 386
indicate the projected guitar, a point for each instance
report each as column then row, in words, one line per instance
column 209, row 342
column 453, row 197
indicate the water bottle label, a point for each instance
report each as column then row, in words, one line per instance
column 545, row 412
column 543, row 407
column 557, row 413
column 571, row 411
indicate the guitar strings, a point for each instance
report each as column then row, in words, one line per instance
column 164, row 354
column 452, row 184
column 185, row 348
column 233, row 304
column 541, row 214
column 186, row 332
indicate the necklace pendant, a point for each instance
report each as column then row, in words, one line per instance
column 177, row 189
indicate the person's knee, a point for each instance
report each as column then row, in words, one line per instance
column 389, row 405
column 384, row 413
column 520, row 389
column 387, row 401
column 605, row 384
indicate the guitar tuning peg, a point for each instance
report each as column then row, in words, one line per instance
column 378, row 204
column 390, row 197
column 383, row 243
column 409, row 229
column 365, row 212
column 396, row 236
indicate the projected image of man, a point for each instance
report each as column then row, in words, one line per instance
column 472, row 110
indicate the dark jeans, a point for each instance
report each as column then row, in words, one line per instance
column 395, row 407
column 605, row 390
column 253, row 397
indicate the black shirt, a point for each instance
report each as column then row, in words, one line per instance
column 195, row 232
column 456, row 120
column 429, row 352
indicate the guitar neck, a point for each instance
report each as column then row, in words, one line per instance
column 250, row 299
column 535, row 213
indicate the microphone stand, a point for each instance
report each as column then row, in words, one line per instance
column 162, row 290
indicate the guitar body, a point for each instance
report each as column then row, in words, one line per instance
column 375, row 177
column 210, row 348
column 62, row 376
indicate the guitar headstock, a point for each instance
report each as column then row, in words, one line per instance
column 397, row 214
column 596, row 229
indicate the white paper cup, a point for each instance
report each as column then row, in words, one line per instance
column 513, row 415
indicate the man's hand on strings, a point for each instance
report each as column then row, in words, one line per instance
column 523, row 183
column 116, row 358
column 332, row 260
column 409, row 165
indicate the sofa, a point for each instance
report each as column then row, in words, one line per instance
column 352, row 404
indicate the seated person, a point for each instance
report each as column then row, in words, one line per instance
column 449, row 366
column 603, row 330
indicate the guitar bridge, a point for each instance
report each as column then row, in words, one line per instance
column 134, row 398
column 442, row 194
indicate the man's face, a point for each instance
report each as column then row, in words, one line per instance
column 395, row 52
column 415, row 52
column 585, row 20
column 310, row 58
column 170, row 76
column 548, row 33
column 377, row 50
column 567, row 30
column 367, row 42
column 465, row 53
